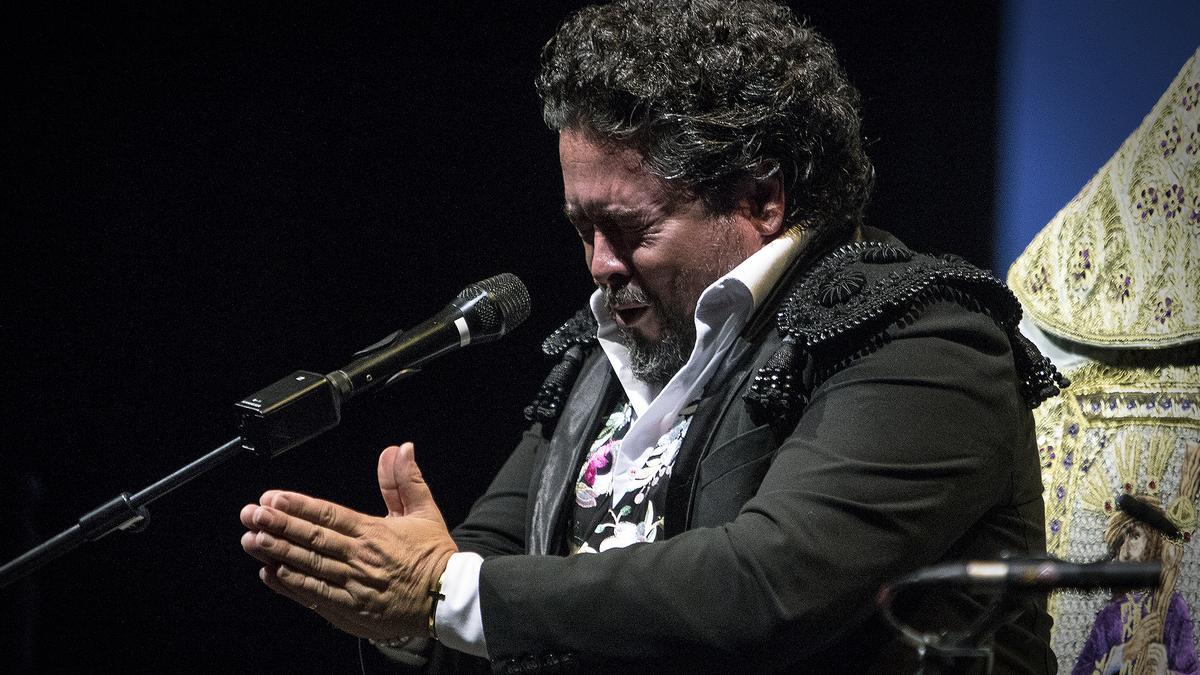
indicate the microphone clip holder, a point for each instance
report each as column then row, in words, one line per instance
column 293, row 410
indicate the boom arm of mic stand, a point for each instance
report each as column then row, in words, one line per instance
column 123, row 512
column 946, row 653
column 290, row 412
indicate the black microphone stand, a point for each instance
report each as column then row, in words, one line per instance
column 126, row 512
column 968, row 650
column 294, row 410
column 304, row 405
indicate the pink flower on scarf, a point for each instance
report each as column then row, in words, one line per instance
column 597, row 462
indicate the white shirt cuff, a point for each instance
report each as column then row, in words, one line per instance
column 458, row 621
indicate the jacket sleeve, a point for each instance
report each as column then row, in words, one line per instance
column 896, row 456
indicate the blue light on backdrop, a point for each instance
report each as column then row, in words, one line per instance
column 1076, row 78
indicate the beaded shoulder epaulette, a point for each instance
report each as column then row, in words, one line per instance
column 840, row 311
column 569, row 343
column 836, row 313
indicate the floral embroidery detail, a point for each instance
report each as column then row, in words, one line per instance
column 598, row 461
column 599, row 524
column 1129, row 238
column 1082, row 265
column 1170, row 141
column 1039, row 280
column 1174, row 202
column 1046, row 455
column 1147, row 203
column 626, row 532
column 595, row 477
column 1164, row 309
column 1191, row 97
column 1126, row 287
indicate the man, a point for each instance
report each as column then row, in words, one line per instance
column 767, row 411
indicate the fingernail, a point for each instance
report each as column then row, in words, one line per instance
column 281, row 503
column 262, row 516
column 265, row 540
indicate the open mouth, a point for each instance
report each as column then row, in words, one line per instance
column 629, row 315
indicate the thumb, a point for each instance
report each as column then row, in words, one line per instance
column 403, row 487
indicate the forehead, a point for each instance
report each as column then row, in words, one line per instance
column 607, row 178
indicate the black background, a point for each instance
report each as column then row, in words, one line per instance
column 203, row 197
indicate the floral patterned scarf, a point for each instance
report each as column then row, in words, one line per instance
column 600, row 524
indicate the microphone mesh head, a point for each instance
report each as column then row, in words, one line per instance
column 507, row 302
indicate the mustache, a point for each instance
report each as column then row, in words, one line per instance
column 626, row 295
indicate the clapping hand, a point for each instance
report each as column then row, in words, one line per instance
column 369, row 576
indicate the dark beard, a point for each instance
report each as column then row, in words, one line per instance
column 655, row 361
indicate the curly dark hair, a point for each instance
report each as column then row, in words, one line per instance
column 712, row 92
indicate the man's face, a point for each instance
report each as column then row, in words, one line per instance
column 651, row 250
column 1133, row 548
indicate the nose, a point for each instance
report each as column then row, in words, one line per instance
column 607, row 265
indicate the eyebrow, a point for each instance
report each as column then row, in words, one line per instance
column 611, row 213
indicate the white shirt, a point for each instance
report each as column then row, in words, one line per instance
column 721, row 313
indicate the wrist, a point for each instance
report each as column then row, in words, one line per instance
column 435, row 594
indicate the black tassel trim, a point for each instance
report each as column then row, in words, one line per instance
column 841, row 311
column 580, row 329
column 552, row 395
column 1040, row 379
column 777, row 396
column 570, row 342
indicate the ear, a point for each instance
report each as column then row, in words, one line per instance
column 763, row 204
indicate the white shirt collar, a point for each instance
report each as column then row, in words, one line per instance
column 731, row 298
column 721, row 313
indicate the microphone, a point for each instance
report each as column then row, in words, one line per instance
column 481, row 312
column 305, row 404
column 1037, row 575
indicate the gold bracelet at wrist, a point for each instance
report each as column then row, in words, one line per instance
column 435, row 596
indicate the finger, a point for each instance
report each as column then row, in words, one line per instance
column 263, row 545
column 299, row 531
column 387, row 481
column 410, row 484
column 268, row 575
column 349, row 620
column 246, row 516
column 318, row 511
column 313, row 591
column 249, row 546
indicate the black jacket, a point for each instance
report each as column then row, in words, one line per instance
column 874, row 422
